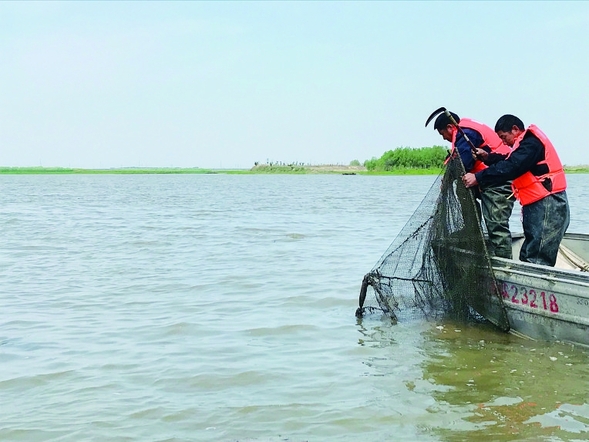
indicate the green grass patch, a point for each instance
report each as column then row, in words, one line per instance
column 258, row 170
column 119, row 171
column 576, row 169
column 408, row 171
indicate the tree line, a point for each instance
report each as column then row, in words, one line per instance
column 408, row 158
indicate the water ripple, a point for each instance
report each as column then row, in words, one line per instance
column 221, row 308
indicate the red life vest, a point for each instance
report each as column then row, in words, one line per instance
column 528, row 188
column 490, row 138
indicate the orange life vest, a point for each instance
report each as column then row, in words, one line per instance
column 528, row 188
column 490, row 138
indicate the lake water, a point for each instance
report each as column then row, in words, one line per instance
column 221, row 308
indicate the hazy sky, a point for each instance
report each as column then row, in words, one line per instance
column 225, row 84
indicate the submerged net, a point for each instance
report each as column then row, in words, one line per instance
column 438, row 265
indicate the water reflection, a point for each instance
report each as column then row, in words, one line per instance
column 462, row 382
column 504, row 388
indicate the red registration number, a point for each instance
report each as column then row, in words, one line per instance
column 526, row 296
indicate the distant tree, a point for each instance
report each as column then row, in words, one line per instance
column 354, row 163
column 408, row 158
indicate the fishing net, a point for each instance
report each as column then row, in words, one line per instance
column 438, row 265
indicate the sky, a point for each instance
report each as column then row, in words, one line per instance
column 227, row 84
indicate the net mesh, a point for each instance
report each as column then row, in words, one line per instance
column 438, row 265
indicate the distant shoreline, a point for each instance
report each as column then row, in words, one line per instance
column 257, row 170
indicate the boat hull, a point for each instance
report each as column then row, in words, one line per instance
column 548, row 303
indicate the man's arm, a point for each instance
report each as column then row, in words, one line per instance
column 494, row 157
column 465, row 149
column 521, row 160
column 486, row 156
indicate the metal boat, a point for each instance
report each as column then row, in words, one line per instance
column 548, row 303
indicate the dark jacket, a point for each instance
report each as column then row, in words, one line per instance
column 523, row 159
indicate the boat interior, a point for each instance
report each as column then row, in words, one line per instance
column 573, row 253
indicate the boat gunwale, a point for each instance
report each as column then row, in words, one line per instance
column 546, row 273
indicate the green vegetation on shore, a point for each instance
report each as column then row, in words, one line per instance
column 300, row 170
column 406, row 158
column 400, row 161
column 128, row 170
column 576, row 169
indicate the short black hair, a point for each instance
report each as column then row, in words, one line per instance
column 443, row 120
column 506, row 123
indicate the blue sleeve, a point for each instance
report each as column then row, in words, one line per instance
column 464, row 148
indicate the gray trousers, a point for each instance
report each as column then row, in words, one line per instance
column 545, row 223
column 496, row 207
